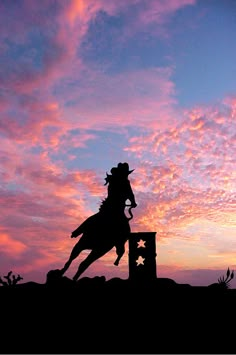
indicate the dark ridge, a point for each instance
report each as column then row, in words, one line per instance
column 99, row 316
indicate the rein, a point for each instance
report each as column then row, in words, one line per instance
column 130, row 212
column 102, row 206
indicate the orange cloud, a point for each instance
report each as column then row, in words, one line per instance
column 76, row 9
column 12, row 247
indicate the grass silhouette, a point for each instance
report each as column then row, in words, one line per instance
column 11, row 279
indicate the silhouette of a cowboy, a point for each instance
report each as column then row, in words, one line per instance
column 110, row 226
column 119, row 188
column 119, row 191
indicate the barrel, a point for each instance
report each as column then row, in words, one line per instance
column 142, row 256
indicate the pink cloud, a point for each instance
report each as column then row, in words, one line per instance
column 147, row 11
column 193, row 185
column 140, row 14
column 147, row 98
column 31, row 90
column 60, row 63
column 10, row 246
column 19, row 23
column 156, row 14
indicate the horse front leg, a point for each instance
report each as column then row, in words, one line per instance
column 120, row 250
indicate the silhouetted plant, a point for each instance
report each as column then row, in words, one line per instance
column 11, row 279
column 224, row 281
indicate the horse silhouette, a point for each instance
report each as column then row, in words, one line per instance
column 101, row 232
column 109, row 227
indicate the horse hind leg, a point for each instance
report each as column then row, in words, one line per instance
column 74, row 254
column 93, row 256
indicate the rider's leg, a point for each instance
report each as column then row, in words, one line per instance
column 94, row 255
column 74, row 254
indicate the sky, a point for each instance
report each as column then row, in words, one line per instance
column 86, row 84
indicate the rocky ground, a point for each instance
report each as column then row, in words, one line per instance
column 95, row 316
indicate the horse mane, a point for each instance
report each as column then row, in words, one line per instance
column 108, row 204
column 105, row 204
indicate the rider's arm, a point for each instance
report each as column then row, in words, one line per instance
column 131, row 195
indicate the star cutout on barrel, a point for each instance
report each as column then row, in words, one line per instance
column 140, row 260
column 141, row 243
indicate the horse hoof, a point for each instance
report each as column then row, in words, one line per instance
column 75, row 278
column 116, row 263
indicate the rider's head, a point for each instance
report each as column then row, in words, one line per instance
column 124, row 169
column 114, row 171
column 121, row 171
